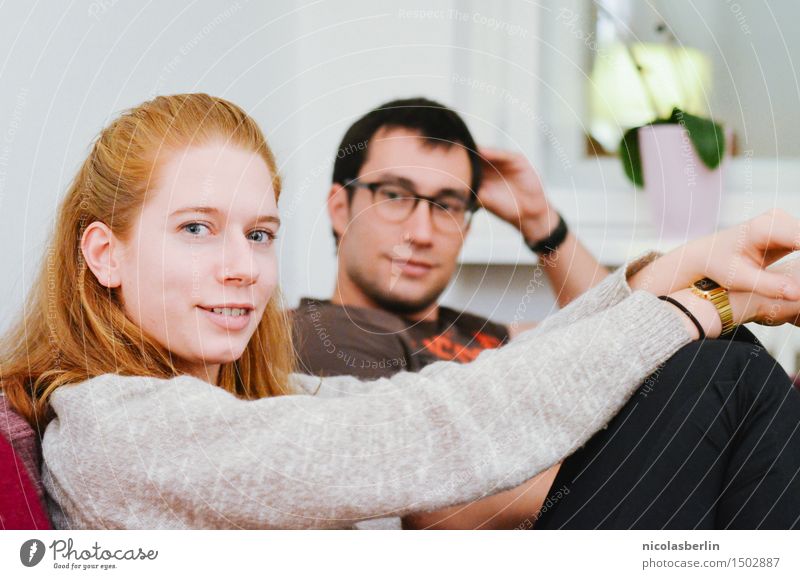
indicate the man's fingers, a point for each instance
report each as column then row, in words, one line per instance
column 495, row 154
column 499, row 159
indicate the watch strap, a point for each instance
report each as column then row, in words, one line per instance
column 552, row 242
column 710, row 290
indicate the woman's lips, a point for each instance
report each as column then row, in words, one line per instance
column 231, row 323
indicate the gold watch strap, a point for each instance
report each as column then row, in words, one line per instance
column 710, row 290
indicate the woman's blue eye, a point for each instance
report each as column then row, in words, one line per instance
column 195, row 228
column 262, row 236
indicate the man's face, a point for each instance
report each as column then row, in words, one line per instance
column 404, row 266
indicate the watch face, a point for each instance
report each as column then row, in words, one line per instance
column 706, row 284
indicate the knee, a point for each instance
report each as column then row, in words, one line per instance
column 746, row 367
column 722, row 360
column 730, row 352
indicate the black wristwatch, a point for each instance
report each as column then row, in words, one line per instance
column 550, row 243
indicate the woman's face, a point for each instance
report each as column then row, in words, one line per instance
column 200, row 266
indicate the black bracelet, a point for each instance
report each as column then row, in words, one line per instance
column 686, row 311
column 550, row 243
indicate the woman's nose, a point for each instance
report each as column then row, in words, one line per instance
column 237, row 264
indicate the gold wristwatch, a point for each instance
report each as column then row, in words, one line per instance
column 710, row 290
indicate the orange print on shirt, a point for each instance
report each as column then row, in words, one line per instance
column 445, row 348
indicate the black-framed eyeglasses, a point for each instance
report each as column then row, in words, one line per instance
column 450, row 211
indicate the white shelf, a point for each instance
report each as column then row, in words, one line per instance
column 614, row 226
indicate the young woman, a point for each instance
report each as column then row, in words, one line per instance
column 155, row 352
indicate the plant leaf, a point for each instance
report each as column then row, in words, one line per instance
column 675, row 116
column 707, row 137
column 631, row 157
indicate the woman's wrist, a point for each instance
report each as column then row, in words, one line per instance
column 669, row 273
column 702, row 309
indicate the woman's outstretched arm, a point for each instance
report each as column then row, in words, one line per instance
column 145, row 453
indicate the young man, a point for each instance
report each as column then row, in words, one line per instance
column 407, row 178
column 406, row 181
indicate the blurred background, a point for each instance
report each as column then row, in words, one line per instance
column 559, row 81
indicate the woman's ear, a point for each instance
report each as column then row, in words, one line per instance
column 100, row 250
column 338, row 208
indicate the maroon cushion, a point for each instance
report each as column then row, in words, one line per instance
column 20, row 504
column 21, row 491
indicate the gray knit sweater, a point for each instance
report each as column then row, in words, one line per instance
column 145, row 453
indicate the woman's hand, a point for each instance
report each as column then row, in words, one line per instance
column 745, row 306
column 736, row 258
column 750, row 307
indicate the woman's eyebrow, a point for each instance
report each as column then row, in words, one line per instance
column 271, row 218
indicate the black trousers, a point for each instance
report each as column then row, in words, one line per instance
column 710, row 440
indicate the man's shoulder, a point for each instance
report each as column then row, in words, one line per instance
column 314, row 312
column 332, row 340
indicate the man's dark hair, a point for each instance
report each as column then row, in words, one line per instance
column 437, row 124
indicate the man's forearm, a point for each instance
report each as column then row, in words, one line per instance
column 572, row 270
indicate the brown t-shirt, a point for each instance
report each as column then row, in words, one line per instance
column 334, row 340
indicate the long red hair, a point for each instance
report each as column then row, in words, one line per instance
column 72, row 328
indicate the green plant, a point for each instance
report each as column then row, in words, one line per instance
column 706, row 136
